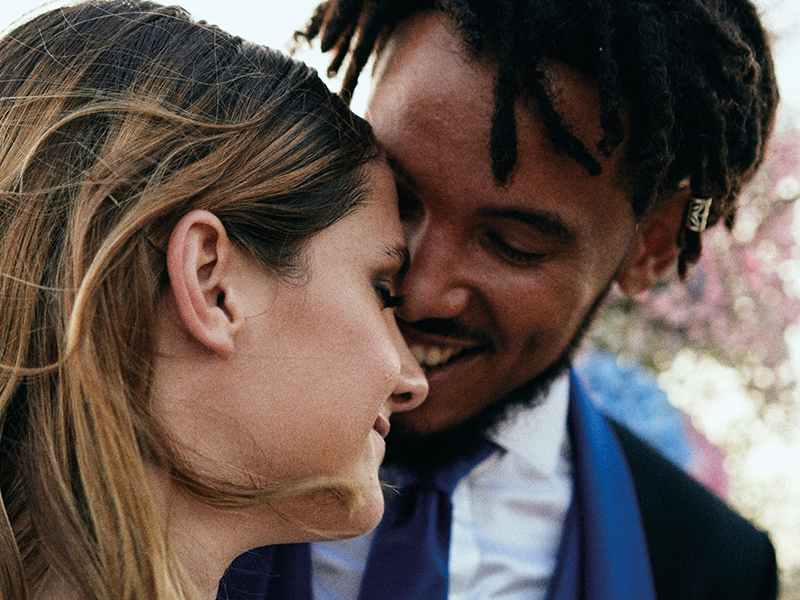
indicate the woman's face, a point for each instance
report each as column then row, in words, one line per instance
column 317, row 368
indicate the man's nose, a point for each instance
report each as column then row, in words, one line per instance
column 434, row 287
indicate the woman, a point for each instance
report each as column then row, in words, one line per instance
column 199, row 251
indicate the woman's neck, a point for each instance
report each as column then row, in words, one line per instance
column 206, row 539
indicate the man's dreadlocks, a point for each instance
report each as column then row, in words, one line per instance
column 696, row 74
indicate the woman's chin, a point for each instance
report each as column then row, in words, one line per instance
column 364, row 517
column 369, row 512
column 327, row 516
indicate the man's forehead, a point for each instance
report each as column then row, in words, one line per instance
column 425, row 55
column 426, row 50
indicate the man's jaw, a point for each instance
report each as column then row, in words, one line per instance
column 411, row 449
column 408, row 448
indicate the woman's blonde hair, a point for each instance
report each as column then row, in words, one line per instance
column 116, row 119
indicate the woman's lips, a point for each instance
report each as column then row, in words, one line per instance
column 382, row 426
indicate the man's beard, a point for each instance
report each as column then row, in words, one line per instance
column 408, row 449
column 426, row 452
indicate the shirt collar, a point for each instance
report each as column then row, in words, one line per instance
column 538, row 434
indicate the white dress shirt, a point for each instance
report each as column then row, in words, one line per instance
column 508, row 515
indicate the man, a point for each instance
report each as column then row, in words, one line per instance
column 544, row 150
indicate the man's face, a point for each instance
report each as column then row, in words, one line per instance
column 502, row 277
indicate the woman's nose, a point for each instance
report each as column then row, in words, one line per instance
column 412, row 385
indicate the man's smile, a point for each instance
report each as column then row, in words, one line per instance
column 436, row 343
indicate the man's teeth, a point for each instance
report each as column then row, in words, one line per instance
column 432, row 356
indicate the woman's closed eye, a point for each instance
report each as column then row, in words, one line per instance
column 392, row 273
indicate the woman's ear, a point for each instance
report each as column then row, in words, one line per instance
column 199, row 263
column 655, row 248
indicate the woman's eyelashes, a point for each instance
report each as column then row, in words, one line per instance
column 388, row 299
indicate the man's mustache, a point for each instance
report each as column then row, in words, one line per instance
column 448, row 328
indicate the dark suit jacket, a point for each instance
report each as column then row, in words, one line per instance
column 699, row 547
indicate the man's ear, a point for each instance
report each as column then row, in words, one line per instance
column 655, row 248
column 199, row 262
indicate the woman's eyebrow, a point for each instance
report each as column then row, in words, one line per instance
column 399, row 254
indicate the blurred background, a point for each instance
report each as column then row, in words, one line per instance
column 708, row 370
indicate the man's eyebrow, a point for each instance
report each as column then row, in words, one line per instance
column 544, row 221
column 400, row 255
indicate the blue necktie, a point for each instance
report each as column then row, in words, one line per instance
column 409, row 554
